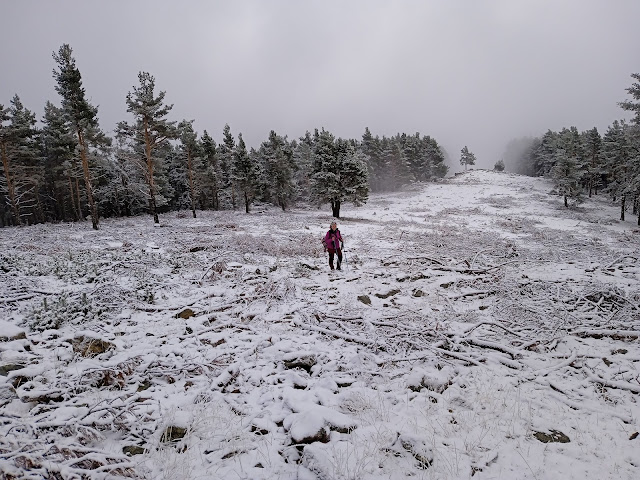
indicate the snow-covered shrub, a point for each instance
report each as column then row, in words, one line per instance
column 63, row 309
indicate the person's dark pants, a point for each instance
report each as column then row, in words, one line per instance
column 332, row 252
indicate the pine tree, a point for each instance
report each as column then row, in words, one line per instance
column 372, row 149
column 566, row 173
column 151, row 131
column 303, row 160
column 278, row 170
column 244, row 174
column 190, row 150
column 339, row 174
column 615, row 154
column 633, row 105
column 81, row 114
column 467, row 158
column 20, row 162
column 225, row 155
column 210, row 173
column 58, row 146
column 6, row 143
column 592, row 146
column 545, row 154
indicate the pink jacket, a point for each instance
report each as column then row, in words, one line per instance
column 332, row 239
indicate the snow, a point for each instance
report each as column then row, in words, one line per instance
column 476, row 319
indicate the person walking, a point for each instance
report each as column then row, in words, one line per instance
column 333, row 243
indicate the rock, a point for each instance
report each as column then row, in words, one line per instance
column 364, row 299
column 90, row 347
column 10, row 332
column 173, row 434
column 418, row 293
column 186, row 313
column 391, row 293
column 10, row 367
column 7, row 394
column 305, row 361
column 554, row 436
column 633, row 436
column 131, row 450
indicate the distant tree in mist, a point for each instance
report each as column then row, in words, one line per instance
column 467, row 158
column 517, row 156
column 499, row 166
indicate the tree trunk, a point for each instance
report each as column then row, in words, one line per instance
column 335, row 208
column 72, row 196
column 10, row 187
column 566, row 203
column 246, row 202
column 192, row 190
column 622, row 202
column 87, row 179
column 78, row 199
column 152, row 192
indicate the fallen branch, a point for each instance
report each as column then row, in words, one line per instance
column 495, row 346
column 495, row 324
column 615, row 334
column 612, row 383
column 560, row 365
column 332, row 333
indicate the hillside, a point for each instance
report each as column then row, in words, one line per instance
column 479, row 329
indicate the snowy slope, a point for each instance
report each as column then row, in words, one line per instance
column 479, row 329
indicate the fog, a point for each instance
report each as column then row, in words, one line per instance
column 464, row 72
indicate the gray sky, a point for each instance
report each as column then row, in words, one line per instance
column 474, row 73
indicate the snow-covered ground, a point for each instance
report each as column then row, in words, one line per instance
column 479, row 329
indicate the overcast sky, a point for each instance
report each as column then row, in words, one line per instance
column 474, row 73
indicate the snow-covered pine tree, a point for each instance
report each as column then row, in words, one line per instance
column 244, row 174
column 566, row 173
column 58, row 145
column 397, row 172
column 592, row 142
column 339, row 174
column 303, row 160
column 190, row 150
column 615, row 153
column 433, row 157
column 8, row 167
column 467, row 158
column 545, row 154
column 23, row 172
column 209, row 173
column 372, row 149
column 82, row 116
column 633, row 138
column 225, row 154
column 634, row 104
column 278, row 170
column 151, row 130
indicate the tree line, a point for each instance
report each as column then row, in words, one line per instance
column 68, row 169
column 586, row 163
